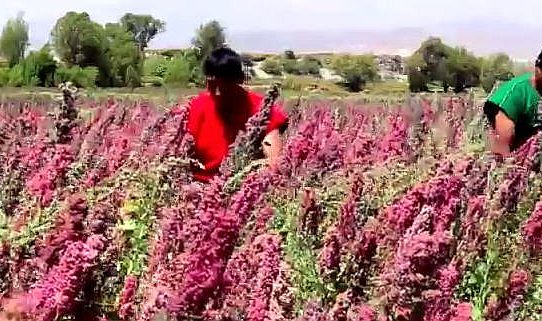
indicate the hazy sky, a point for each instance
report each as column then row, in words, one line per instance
column 183, row 17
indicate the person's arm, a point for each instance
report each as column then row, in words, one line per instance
column 272, row 142
column 272, row 147
column 502, row 135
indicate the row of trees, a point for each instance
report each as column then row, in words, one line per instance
column 88, row 53
column 436, row 62
column 356, row 70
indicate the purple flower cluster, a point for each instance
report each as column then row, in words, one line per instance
column 349, row 235
column 395, row 143
column 417, row 259
column 127, row 298
column 472, row 232
column 44, row 183
column 217, row 230
column 68, row 229
column 311, row 214
column 462, row 312
column 516, row 179
column 317, row 148
column 441, row 193
column 532, row 230
column 267, row 249
column 55, row 295
column 438, row 302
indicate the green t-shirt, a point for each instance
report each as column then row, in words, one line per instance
column 519, row 100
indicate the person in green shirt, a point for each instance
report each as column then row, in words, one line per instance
column 512, row 110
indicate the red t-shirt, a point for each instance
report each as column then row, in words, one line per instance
column 213, row 135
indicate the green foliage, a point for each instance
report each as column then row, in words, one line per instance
column 80, row 77
column 79, row 41
column 356, row 70
column 137, row 223
column 155, row 66
column 300, row 255
column 4, row 77
column 435, row 61
column 143, row 28
column 16, row 76
column 290, row 66
column 208, row 38
column 132, row 79
column 122, row 53
column 309, row 66
column 39, row 68
column 152, row 81
column 42, row 222
column 181, row 70
column 272, row 66
column 531, row 309
column 463, row 69
column 496, row 68
column 305, row 66
column 14, row 40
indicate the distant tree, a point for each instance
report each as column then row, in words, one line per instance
column 79, row 41
column 184, row 69
column 132, row 78
column 155, row 66
column 356, row 70
column 289, row 54
column 310, row 66
column 272, row 66
column 14, row 40
column 417, row 75
column 430, row 63
column 435, row 61
column 39, row 68
column 291, row 66
column 208, row 38
column 80, row 77
column 463, row 69
column 122, row 53
column 495, row 68
column 143, row 28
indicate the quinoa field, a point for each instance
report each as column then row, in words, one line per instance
column 375, row 212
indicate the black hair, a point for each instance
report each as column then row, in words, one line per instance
column 224, row 63
column 538, row 62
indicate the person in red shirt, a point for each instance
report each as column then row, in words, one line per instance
column 217, row 115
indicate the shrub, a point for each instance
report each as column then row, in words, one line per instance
column 80, row 77
column 39, row 68
column 152, row 81
column 132, row 77
column 16, row 76
column 272, row 66
column 179, row 71
column 4, row 77
column 155, row 66
column 290, row 66
column 356, row 70
column 309, row 66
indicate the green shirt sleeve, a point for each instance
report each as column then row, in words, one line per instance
column 511, row 98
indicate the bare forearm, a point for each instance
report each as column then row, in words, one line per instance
column 272, row 147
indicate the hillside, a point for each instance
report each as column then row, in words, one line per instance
column 482, row 37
